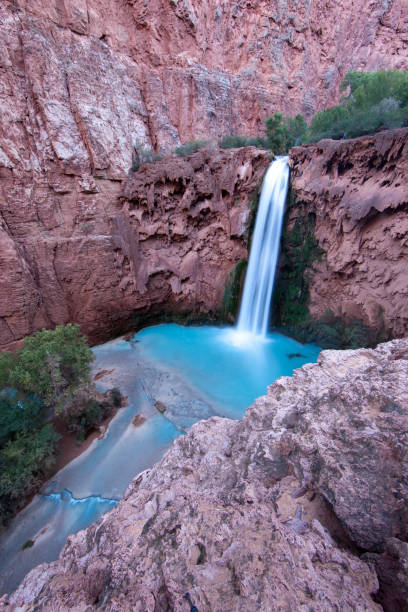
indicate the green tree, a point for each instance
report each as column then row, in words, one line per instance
column 53, row 365
column 295, row 129
column 284, row 132
column 276, row 133
column 373, row 101
column 18, row 415
column 7, row 362
column 24, row 462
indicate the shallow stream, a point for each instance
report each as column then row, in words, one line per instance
column 191, row 373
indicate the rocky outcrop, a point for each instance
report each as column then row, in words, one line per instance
column 249, row 515
column 86, row 252
column 356, row 192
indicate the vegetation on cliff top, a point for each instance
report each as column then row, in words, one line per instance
column 372, row 101
column 49, row 377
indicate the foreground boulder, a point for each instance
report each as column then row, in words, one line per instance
column 265, row 513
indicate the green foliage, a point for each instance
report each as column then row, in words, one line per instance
column 52, row 365
column 51, row 371
column 236, row 142
column 331, row 332
column 374, row 101
column 191, row 147
column 276, row 134
column 142, row 155
column 284, row 132
column 299, row 252
column 18, row 415
column 299, row 249
column 116, row 397
column 24, row 462
column 232, row 292
column 7, row 362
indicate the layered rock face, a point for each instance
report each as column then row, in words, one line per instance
column 356, row 190
column 248, row 515
column 86, row 252
column 89, row 77
column 83, row 80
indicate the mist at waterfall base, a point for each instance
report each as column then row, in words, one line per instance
column 195, row 372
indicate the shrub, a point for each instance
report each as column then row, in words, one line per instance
column 236, row 142
column 18, row 415
column 116, row 397
column 191, row 147
column 24, row 462
column 91, row 413
column 284, row 132
column 7, row 362
column 142, row 155
column 53, row 365
column 375, row 100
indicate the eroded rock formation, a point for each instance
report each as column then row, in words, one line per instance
column 248, row 515
column 85, row 252
column 83, row 80
column 357, row 192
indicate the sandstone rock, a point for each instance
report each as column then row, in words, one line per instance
column 357, row 192
column 139, row 420
column 169, row 242
column 226, row 522
column 165, row 71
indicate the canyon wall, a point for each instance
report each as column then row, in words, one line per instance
column 84, row 79
column 272, row 512
column 355, row 193
column 103, row 255
column 81, row 81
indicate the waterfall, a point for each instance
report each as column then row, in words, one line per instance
column 259, row 279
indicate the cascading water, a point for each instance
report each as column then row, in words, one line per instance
column 260, row 276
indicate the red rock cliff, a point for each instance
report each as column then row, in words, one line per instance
column 358, row 191
column 82, row 80
column 88, row 253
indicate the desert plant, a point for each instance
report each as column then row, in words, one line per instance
column 191, row 147
column 372, row 101
column 143, row 155
column 235, row 142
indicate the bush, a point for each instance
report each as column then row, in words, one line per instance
column 18, row 415
column 51, row 371
column 116, row 397
column 236, row 142
column 7, row 363
column 191, row 147
column 87, row 412
column 53, row 365
column 142, row 155
column 375, row 100
column 284, row 132
column 24, row 462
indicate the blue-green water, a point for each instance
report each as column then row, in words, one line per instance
column 229, row 368
column 195, row 372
